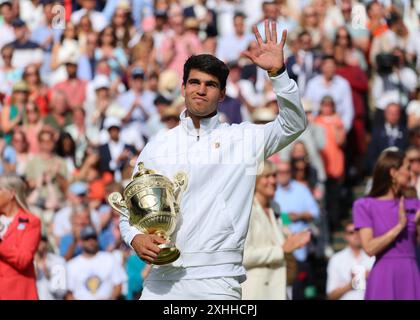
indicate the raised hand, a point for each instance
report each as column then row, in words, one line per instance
column 270, row 55
column 402, row 217
column 296, row 241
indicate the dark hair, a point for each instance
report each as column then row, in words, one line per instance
column 76, row 36
column 349, row 37
column 239, row 14
column 6, row 3
column 304, row 32
column 327, row 57
column 209, row 64
column 346, row 222
column 382, row 180
column 294, row 169
column 125, row 39
column 392, row 19
column 114, row 36
column 385, row 63
column 78, row 108
column 60, row 146
column 267, row 3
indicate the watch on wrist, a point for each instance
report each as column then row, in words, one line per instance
column 275, row 73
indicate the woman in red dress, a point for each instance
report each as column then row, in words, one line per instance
column 20, row 233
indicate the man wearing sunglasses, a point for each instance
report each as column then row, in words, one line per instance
column 348, row 269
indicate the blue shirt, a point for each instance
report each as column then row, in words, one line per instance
column 297, row 198
column 134, row 266
column 9, row 156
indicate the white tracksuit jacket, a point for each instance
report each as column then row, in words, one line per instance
column 220, row 161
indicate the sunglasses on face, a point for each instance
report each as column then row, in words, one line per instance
column 414, row 160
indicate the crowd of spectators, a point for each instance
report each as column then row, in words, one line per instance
column 85, row 86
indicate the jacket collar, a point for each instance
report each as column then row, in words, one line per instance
column 20, row 217
column 206, row 124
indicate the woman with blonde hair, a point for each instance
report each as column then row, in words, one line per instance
column 20, row 233
column 266, row 245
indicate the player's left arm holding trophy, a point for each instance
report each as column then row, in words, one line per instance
column 187, row 209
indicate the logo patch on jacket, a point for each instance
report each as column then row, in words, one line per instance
column 21, row 226
column 22, row 223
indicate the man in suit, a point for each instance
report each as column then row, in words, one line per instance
column 303, row 65
column 389, row 134
column 115, row 153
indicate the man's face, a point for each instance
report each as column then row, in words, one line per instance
column 284, row 173
column 306, row 42
column 239, row 25
column 392, row 114
column 71, row 69
column 102, row 93
column 46, row 143
column 43, row 247
column 202, row 93
column 328, row 68
column 413, row 157
column 20, row 32
column 59, row 103
column 235, row 74
column 90, row 245
column 114, row 133
column 136, row 83
column 352, row 236
column 271, row 11
column 103, row 68
column 20, row 96
column 6, row 12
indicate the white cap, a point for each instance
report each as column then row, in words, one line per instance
column 112, row 122
column 387, row 98
column 101, row 81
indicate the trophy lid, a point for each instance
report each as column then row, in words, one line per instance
column 142, row 170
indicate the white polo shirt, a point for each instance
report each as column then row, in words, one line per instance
column 339, row 272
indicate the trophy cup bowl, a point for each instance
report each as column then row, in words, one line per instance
column 151, row 204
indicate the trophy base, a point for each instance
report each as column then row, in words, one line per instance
column 168, row 253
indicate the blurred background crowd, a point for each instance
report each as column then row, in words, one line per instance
column 85, row 86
